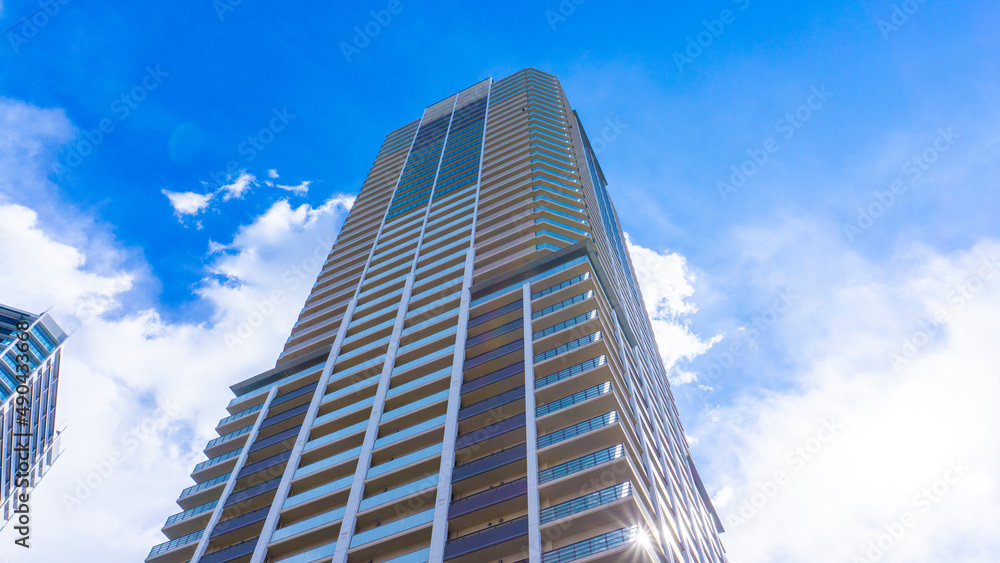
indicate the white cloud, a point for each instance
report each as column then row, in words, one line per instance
column 855, row 443
column 126, row 458
column 666, row 285
column 272, row 173
column 188, row 203
column 300, row 189
column 241, row 185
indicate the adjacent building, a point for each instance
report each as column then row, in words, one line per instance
column 29, row 444
column 473, row 377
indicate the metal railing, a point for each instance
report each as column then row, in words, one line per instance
column 597, row 544
column 577, row 429
column 581, row 463
column 586, row 502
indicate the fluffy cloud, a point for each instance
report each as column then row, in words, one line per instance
column 666, row 285
column 188, row 203
column 140, row 396
column 238, row 187
column 193, row 203
column 866, row 430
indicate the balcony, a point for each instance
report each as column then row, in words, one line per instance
column 189, row 540
column 614, row 540
column 490, row 431
column 241, row 521
column 190, row 497
column 484, row 544
column 250, row 492
column 281, row 417
column 216, row 460
column 511, row 370
column 491, row 403
column 586, row 502
column 263, row 464
column 189, row 513
column 289, row 435
column 489, row 497
column 489, row 463
column 242, row 549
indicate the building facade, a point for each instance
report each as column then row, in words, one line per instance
column 30, row 442
column 473, row 377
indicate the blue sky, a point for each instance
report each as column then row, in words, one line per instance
column 835, row 100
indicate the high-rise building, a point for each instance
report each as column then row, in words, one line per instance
column 30, row 350
column 473, row 377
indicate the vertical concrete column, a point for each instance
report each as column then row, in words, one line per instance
column 240, row 462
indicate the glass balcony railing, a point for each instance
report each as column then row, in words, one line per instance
column 218, row 459
column 327, row 462
column 333, row 436
column 561, row 285
column 304, row 496
column 579, row 397
column 202, row 486
column 426, row 340
column 179, row 542
column 420, row 556
column 569, row 346
column 230, row 436
column 240, row 414
column 428, row 482
column 407, row 459
column 411, row 431
column 230, row 553
column 350, row 388
column 564, row 324
column 309, row 524
column 321, row 552
column 488, row 497
column 563, row 304
column 577, row 429
column 415, row 405
column 581, row 463
column 366, row 348
column 334, row 415
column 493, row 535
column 424, row 359
column 597, row 544
column 571, row 371
column 446, row 371
column 586, row 502
column 392, row 528
column 192, row 512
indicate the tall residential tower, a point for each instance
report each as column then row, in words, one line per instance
column 29, row 443
column 473, row 377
